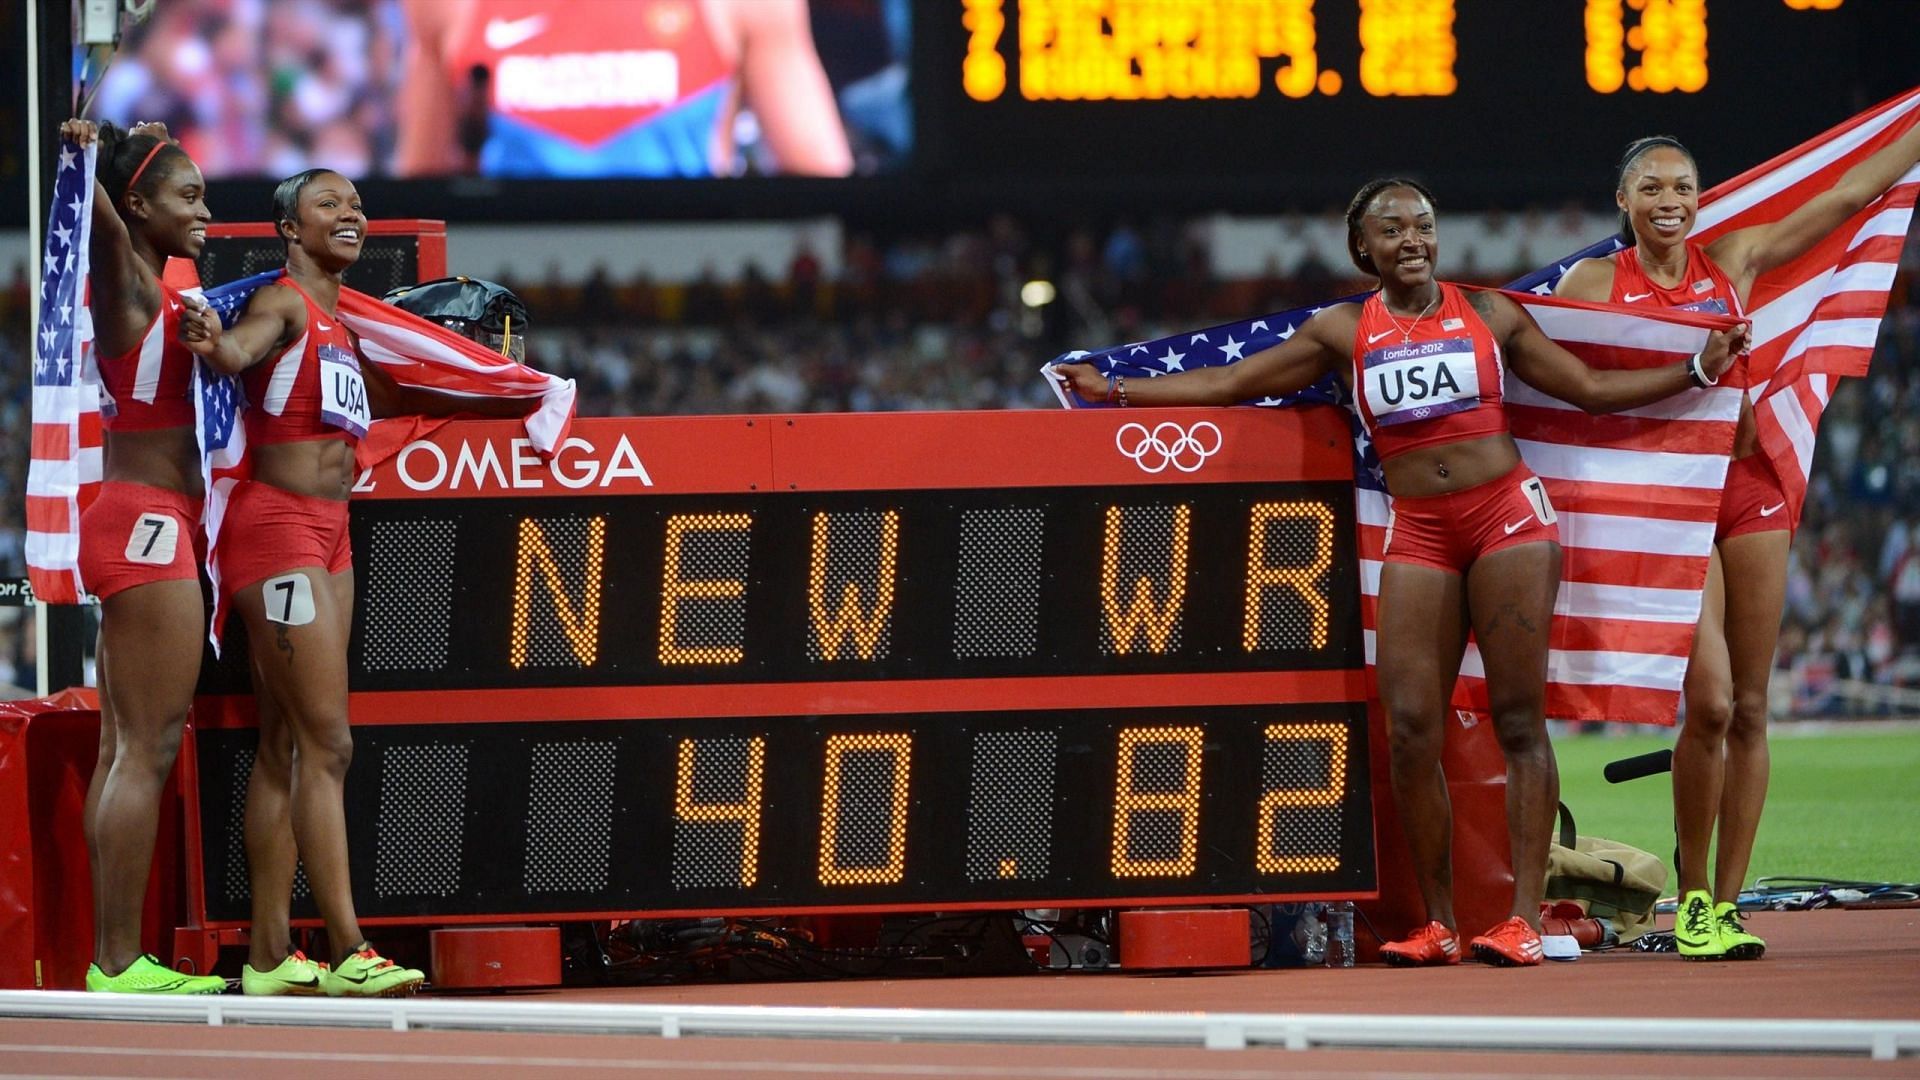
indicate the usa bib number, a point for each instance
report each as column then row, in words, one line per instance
column 1421, row 380
column 343, row 391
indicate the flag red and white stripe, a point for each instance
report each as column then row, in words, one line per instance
column 64, row 469
column 1816, row 318
column 1637, row 494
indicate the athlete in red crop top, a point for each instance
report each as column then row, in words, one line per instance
column 1423, row 359
column 283, row 557
column 1720, row 760
column 139, row 536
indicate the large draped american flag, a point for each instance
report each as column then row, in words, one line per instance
column 1638, row 492
column 412, row 350
column 65, row 469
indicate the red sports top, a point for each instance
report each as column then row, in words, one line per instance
column 584, row 71
column 1704, row 288
column 148, row 386
column 1428, row 381
column 312, row 390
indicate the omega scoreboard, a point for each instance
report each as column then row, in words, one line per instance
column 841, row 662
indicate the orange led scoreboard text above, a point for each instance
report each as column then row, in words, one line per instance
column 733, row 664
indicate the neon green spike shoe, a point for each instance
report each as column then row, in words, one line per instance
column 1694, row 929
column 365, row 973
column 296, row 976
column 1734, row 938
column 147, row 975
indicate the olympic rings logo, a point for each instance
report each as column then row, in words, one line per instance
column 1168, row 444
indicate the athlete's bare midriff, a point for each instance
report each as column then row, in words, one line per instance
column 321, row 468
column 166, row 458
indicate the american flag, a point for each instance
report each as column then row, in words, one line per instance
column 63, row 475
column 1638, row 492
column 412, row 350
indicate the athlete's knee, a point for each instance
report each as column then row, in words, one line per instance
column 1521, row 730
column 1414, row 737
column 327, row 747
column 1748, row 723
column 1709, row 716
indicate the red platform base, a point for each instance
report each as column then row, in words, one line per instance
column 1183, row 938
column 492, row 957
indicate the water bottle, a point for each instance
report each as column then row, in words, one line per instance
column 1339, row 917
column 1309, row 933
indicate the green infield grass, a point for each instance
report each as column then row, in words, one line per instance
column 1841, row 804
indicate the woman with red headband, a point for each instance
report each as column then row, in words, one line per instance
column 1472, row 541
column 140, row 538
column 1720, row 760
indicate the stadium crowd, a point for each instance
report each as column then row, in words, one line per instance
column 954, row 322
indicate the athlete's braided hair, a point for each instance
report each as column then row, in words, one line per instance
column 121, row 156
column 1636, row 150
column 1357, row 209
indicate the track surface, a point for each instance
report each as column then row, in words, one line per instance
column 1823, row 965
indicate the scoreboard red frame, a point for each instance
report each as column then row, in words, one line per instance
column 835, row 663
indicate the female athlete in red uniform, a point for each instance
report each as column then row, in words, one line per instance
column 284, row 558
column 1473, row 540
column 1720, row 760
column 140, row 537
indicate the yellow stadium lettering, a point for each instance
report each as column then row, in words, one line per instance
column 580, row 626
column 1130, row 802
column 1301, row 577
column 746, row 812
column 1141, row 615
column 831, row 629
column 1281, row 800
column 674, row 589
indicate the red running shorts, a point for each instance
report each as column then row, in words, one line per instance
column 1448, row 532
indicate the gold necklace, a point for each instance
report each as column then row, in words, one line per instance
column 1406, row 332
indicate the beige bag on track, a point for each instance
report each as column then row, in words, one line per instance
column 1611, row 881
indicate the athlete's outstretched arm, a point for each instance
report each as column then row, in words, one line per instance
column 1751, row 252
column 426, row 120
column 272, row 318
column 787, row 89
column 1551, row 369
column 1295, row 364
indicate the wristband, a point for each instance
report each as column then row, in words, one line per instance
column 1111, row 379
column 1698, row 374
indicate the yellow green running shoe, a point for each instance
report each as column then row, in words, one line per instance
column 365, row 973
column 1695, row 930
column 296, row 976
column 147, row 975
column 1739, row 944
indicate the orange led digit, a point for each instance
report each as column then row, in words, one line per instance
column 582, row 627
column 1280, row 800
column 831, row 631
column 746, row 811
column 1303, row 578
column 1671, row 40
column 1407, row 48
column 674, row 588
column 898, row 746
column 984, row 72
column 1129, row 800
column 1142, row 616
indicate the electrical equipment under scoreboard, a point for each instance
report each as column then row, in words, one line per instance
column 835, row 662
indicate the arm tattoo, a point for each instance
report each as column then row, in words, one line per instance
column 281, row 641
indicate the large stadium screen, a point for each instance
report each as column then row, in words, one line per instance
column 522, row 88
column 1302, row 99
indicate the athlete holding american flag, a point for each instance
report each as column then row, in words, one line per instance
column 1473, row 541
column 1720, row 760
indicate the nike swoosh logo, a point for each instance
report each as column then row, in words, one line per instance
column 1371, row 338
column 351, row 979
column 1516, row 526
column 324, row 328
column 502, row 34
column 1769, row 511
column 1632, row 299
